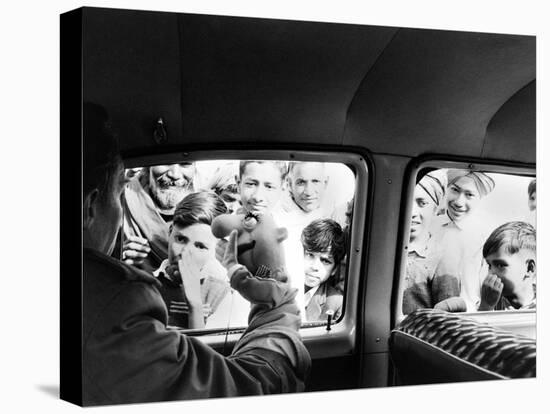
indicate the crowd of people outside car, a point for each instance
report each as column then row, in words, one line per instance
column 293, row 193
column 449, row 226
column 464, row 255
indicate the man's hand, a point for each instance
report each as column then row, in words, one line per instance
column 230, row 254
column 491, row 289
column 135, row 250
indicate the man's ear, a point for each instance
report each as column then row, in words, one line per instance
column 531, row 269
column 89, row 208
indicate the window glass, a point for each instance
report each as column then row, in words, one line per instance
column 167, row 229
column 472, row 242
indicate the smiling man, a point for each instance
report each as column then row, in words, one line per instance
column 307, row 182
column 149, row 201
column 463, row 224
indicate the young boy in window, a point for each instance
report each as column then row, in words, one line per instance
column 193, row 282
column 324, row 248
column 510, row 252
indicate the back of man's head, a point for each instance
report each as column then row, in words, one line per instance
column 99, row 151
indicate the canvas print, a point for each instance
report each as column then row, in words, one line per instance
column 272, row 206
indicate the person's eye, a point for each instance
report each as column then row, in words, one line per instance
column 422, row 203
column 310, row 255
column 180, row 239
column 201, row 246
column 300, row 182
column 270, row 186
column 454, row 189
column 326, row 261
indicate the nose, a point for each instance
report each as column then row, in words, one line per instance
column 313, row 265
column 460, row 199
column 174, row 172
column 259, row 194
column 308, row 188
column 414, row 213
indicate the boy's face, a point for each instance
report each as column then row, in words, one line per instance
column 532, row 201
column 423, row 212
column 307, row 184
column 260, row 187
column 462, row 198
column 195, row 242
column 318, row 267
column 512, row 269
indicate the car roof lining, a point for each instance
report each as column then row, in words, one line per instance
column 219, row 80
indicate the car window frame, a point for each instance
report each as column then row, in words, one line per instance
column 341, row 338
column 436, row 161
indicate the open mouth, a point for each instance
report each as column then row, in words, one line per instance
column 457, row 211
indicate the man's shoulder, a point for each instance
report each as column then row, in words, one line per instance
column 116, row 291
column 102, row 266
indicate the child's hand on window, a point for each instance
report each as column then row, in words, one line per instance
column 190, row 273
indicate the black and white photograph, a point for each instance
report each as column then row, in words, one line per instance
column 274, row 210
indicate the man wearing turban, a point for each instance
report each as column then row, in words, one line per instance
column 430, row 277
column 466, row 188
column 466, row 234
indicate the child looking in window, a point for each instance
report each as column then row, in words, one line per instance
column 324, row 248
column 193, row 281
column 510, row 252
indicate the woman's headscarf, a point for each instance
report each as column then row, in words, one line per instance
column 482, row 181
column 434, row 187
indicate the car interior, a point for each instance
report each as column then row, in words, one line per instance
column 389, row 103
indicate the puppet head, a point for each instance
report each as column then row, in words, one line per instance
column 259, row 242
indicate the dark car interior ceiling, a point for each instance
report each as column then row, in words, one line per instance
column 228, row 79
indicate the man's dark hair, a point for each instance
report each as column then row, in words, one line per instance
column 282, row 166
column 325, row 235
column 513, row 236
column 201, row 207
column 100, row 153
column 532, row 188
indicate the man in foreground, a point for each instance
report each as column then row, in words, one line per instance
column 128, row 354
